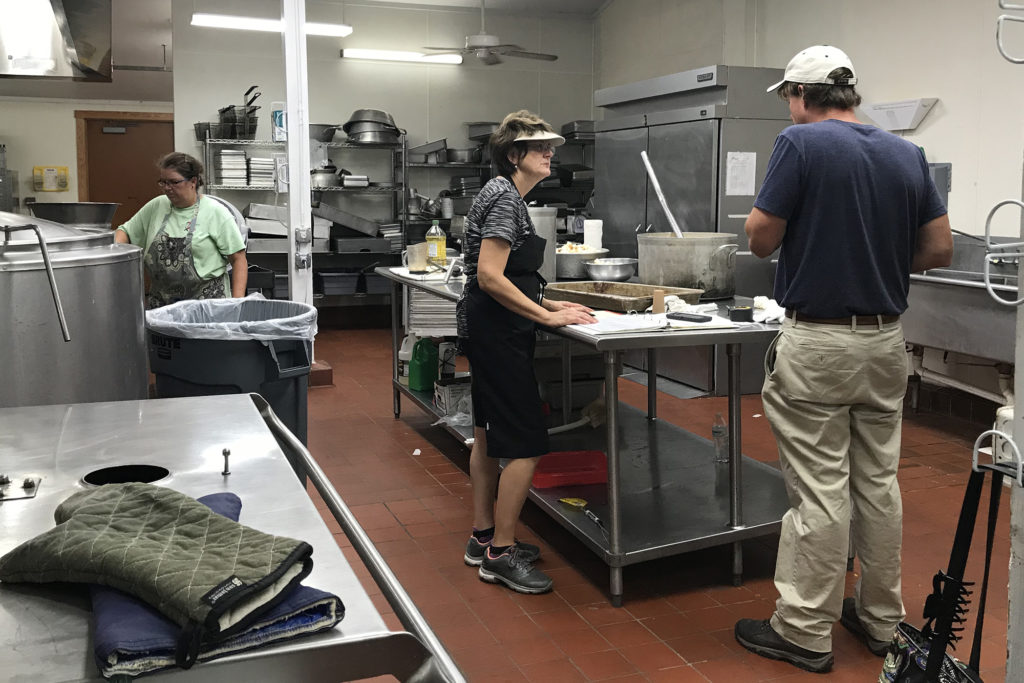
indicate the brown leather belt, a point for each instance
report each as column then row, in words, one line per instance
column 865, row 320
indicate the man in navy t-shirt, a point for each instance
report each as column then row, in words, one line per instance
column 853, row 212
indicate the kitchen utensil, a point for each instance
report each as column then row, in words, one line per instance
column 414, row 257
column 480, row 131
column 570, row 264
column 252, row 99
column 380, row 137
column 464, row 156
column 324, row 132
column 375, row 115
column 661, row 195
column 581, row 504
column 428, row 147
column 370, row 127
column 702, row 260
column 613, row 269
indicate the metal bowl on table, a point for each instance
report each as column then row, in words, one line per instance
column 570, row 264
column 324, row 132
column 611, row 269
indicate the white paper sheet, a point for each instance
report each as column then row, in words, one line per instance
column 740, row 170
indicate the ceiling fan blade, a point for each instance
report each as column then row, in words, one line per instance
column 453, row 50
column 530, row 55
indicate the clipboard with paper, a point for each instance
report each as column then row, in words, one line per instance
column 609, row 323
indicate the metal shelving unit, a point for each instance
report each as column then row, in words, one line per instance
column 394, row 189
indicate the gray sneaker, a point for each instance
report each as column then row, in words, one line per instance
column 513, row 569
column 758, row 636
column 475, row 550
column 852, row 623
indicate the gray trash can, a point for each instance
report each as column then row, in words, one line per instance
column 234, row 346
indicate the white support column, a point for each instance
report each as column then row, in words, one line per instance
column 300, row 248
column 1015, row 591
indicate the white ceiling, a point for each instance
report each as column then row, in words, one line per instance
column 141, row 27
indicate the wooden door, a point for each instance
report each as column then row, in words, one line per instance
column 117, row 156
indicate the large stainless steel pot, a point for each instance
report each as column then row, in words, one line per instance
column 701, row 260
column 82, row 215
column 100, row 286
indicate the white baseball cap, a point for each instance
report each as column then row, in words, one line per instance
column 814, row 64
column 541, row 135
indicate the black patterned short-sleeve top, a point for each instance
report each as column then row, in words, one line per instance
column 498, row 211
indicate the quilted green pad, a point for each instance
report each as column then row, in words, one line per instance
column 201, row 570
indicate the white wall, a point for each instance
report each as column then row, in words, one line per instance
column 214, row 67
column 41, row 132
column 902, row 50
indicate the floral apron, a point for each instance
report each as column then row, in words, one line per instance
column 172, row 272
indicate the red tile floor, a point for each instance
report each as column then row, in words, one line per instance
column 677, row 619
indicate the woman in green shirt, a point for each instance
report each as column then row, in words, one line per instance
column 187, row 242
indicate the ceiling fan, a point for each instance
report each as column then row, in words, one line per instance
column 489, row 49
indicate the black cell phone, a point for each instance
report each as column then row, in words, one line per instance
column 689, row 317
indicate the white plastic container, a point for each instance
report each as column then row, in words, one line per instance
column 592, row 230
column 278, row 126
column 404, row 356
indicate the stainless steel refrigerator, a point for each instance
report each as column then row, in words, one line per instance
column 708, row 133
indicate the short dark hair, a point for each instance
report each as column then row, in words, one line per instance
column 823, row 95
column 502, row 141
column 185, row 164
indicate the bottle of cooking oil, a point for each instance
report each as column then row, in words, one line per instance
column 437, row 245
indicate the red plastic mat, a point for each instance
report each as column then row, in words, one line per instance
column 571, row 468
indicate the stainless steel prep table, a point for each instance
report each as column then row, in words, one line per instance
column 45, row 628
column 663, row 499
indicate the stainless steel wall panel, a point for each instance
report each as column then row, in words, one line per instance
column 685, row 158
column 621, row 201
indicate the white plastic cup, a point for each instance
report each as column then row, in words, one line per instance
column 592, row 233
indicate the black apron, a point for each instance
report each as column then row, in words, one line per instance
column 500, row 346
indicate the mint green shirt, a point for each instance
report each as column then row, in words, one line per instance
column 216, row 235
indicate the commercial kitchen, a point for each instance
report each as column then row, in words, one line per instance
column 658, row 512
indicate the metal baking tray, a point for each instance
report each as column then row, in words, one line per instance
column 336, row 215
column 616, row 296
column 428, row 147
column 480, row 131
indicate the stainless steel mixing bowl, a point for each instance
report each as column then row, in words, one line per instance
column 613, row 269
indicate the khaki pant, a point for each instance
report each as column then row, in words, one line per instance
column 834, row 397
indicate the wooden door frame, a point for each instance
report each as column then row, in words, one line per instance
column 82, row 118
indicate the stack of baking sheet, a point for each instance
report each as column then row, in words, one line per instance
column 430, row 315
column 229, row 167
column 261, row 171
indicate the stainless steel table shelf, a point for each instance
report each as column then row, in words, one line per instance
column 425, row 400
column 45, row 630
column 652, row 517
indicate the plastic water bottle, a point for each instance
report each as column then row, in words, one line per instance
column 437, row 245
column 720, row 437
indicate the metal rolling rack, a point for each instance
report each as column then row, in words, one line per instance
column 664, row 495
column 49, row 625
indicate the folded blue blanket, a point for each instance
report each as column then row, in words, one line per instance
column 131, row 638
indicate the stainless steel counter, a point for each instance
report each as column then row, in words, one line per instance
column 649, row 503
column 45, row 629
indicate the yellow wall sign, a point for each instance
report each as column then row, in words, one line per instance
column 50, row 178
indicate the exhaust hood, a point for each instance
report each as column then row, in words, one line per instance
column 67, row 39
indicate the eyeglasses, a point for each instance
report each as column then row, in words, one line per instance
column 542, row 147
column 171, row 183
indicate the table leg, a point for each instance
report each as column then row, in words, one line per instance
column 652, row 384
column 611, row 391
column 396, row 323
column 732, row 352
column 566, row 380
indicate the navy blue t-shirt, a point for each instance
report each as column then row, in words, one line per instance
column 853, row 197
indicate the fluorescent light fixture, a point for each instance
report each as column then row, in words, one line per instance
column 399, row 56
column 270, row 25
